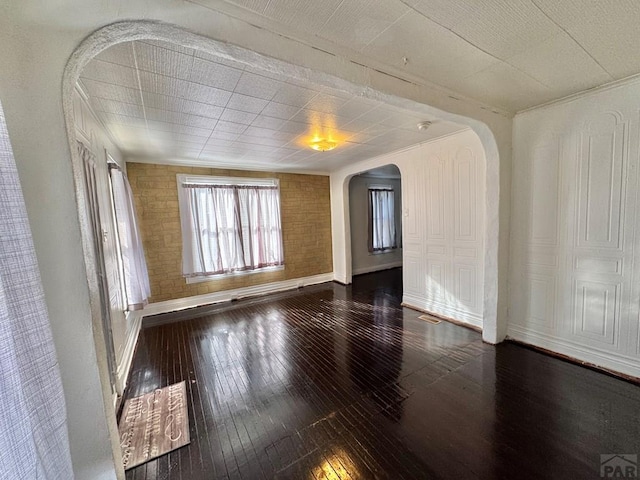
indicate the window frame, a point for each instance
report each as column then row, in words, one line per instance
column 374, row 251
column 206, row 180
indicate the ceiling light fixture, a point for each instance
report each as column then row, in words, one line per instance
column 322, row 144
column 422, row 126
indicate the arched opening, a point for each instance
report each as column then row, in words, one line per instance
column 375, row 212
column 132, row 31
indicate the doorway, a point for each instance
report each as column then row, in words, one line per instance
column 375, row 212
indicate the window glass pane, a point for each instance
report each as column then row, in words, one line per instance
column 382, row 227
column 230, row 226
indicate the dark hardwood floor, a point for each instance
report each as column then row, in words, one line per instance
column 334, row 382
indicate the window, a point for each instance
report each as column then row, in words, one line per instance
column 382, row 223
column 229, row 225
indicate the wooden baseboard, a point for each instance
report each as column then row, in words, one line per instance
column 575, row 361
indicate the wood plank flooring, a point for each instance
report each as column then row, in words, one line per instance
column 334, row 382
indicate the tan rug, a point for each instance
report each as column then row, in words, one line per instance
column 154, row 424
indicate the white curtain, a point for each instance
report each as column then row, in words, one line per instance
column 34, row 441
column 229, row 228
column 136, row 276
column 382, row 224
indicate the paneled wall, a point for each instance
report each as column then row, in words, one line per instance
column 443, row 210
column 574, row 236
column 306, row 228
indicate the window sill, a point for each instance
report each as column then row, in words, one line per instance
column 223, row 276
column 388, row 250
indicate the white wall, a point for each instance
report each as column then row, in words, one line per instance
column 575, row 278
column 38, row 39
column 364, row 261
column 124, row 329
column 443, row 225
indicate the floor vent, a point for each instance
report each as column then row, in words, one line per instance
column 430, row 319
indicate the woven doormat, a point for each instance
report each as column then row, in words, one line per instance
column 154, row 424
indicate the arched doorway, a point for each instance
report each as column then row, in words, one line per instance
column 128, row 31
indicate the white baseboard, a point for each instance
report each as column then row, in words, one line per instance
column 228, row 295
column 375, row 268
column 443, row 310
column 134, row 319
column 582, row 353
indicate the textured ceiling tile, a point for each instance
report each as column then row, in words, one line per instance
column 220, row 135
column 119, row 108
column 358, row 22
column 217, row 143
column 253, row 5
column 305, row 16
column 376, row 129
column 504, row 86
column 270, row 142
column 515, row 26
column 562, row 65
column 298, row 155
column 448, row 71
column 212, row 150
column 358, row 124
column 120, row 54
column 237, row 116
column 262, row 132
column 425, row 44
column 294, row 95
column 246, row 103
column 167, row 46
column 161, row 115
column 114, row 119
column 214, row 74
column 192, row 139
column 209, row 124
column 160, row 84
column 202, row 109
column 173, row 87
column 267, row 122
column 230, row 127
column 163, row 102
column 499, row 27
column 280, row 110
column 320, row 119
column 211, row 57
column 187, row 153
column 162, row 61
column 205, row 94
column 294, row 127
column 257, row 86
column 377, row 115
column 110, row 73
column 284, row 152
column 355, row 107
column 191, row 130
column 325, row 103
column 195, row 121
column 160, row 126
column 608, row 29
column 282, row 137
column 112, row 92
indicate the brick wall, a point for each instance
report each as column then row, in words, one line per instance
column 306, row 228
